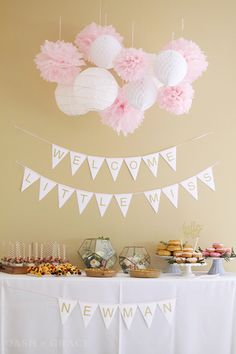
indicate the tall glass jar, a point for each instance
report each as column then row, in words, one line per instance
column 134, row 257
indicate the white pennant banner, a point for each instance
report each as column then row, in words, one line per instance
column 108, row 312
column 29, row 178
column 133, row 164
column 207, row 177
column 152, row 162
column 76, row 160
column 45, row 186
column 123, row 200
column 83, row 198
column 95, row 163
column 58, row 154
column 153, row 198
column 148, row 311
column 127, row 312
column 87, row 310
column 103, row 200
column 190, row 185
column 172, row 193
column 64, row 194
column 169, row 155
column 66, row 307
column 114, row 165
column 167, row 307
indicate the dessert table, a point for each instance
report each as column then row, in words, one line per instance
column 204, row 318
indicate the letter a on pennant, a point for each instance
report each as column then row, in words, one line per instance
column 58, row 154
column 153, row 198
column 172, row 194
column 46, row 185
column 127, row 313
column 169, row 155
column 64, row 194
column 83, row 198
column 108, row 311
column 207, row 177
column 29, row 178
column 148, row 311
column 123, row 200
column 66, row 307
column 103, row 200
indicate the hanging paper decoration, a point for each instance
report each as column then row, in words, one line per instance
column 114, row 165
column 176, row 99
column 59, row 62
column 170, row 67
column 96, row 88
column 95, row 163
column 66, row 306
column 87, row 310
column 133, row 164
column 76, row 160
column 58, row 154
column 121, row 116
column 122, row 199
column 195, row 58
column 151, row 161
column 131, row 64
column 148, row 312
column 128, row 312
column 167, row 307
column 176, row 67
column 141, row 94
column 104, row 50
column 68, row 102
column 108, row 312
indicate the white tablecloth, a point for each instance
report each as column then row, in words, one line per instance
column 204, row 322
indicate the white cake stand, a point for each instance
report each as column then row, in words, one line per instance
column 170, row 268
column 217, row 266
column 187, row 268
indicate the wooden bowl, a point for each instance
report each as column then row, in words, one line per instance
column 144, row 273
column 97, row 272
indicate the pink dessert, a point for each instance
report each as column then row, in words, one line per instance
column 206, row 254
column 215, row 254
column 210, row 249
column 217, row 245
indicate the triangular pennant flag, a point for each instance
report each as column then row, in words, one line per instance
column 114, row 165
column 148, row 311
column 123, row 200
column 169, row 155
column 64, row 193
column 95, row 163
column 172, row 193
column 152, row 162
column 76, row 160
column 103, row 200
column 207, row 177
column 133, row 164
column 108, row 311
column 127, row 312
column 83, row 198
column 58, row 154
column 66, row 307
column 190, row 185
column 167, row 307
column 29, row 178
column 46, row 185
column 153, row 198
column 88, row 309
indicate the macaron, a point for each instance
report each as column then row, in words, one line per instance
column 215, row 254
column 217, row 245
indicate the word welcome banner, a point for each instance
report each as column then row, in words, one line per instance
column 114, row 163
column 123, row 200
column 108, row 311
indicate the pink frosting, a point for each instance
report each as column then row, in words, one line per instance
column 206, row 254
column 210, row 249
column 215, row 254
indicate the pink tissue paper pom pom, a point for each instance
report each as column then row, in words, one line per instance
column 195, row 58
column 176, row 99
column 131, row 64
column 85, row 38
column 59, row 62
column 121, row 116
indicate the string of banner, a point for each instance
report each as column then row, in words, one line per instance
column 127, row 311
column 114, row 164
column 124, row 199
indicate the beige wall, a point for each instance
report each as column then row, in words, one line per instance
column 28, row 101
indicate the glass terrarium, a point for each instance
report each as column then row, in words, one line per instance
column 97, row 253
column 134, row 257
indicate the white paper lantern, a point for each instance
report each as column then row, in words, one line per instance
column 96, row 88
column 67, row 102
column 141, row 94
column 104, row 50
column 170, row 67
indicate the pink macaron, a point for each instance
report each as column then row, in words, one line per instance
column 206, row 254
column 215, row 254
column 217, row 245
column 210, row 249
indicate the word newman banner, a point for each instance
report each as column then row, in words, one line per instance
column 123, row 200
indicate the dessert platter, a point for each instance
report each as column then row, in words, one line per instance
column 218, row 253
column 144, row 273
column 48, row 269
column 100, row 272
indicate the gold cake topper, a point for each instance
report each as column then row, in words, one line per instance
column 192, row 230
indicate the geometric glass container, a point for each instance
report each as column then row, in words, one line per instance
column 134, row 257
column 97, row 253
